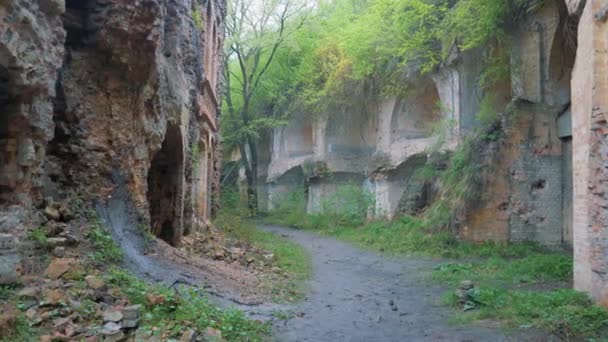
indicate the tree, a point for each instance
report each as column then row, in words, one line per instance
column 256, row 31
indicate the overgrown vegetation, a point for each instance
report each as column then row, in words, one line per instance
column 39, row 236
column 173, row 312
column 566, row 313
column 106, row 250
column 348, row 206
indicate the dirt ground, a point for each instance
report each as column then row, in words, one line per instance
column 354, row 295
column 358, row 295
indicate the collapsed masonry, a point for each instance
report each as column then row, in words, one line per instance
column 95, row 90
column 530, row 193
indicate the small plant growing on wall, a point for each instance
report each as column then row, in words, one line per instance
column 197, row 17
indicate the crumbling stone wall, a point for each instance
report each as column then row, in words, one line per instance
column 523, row 197
column 100, row 90
column 589, row 146
column 31, row 51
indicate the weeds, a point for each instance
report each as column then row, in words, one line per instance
column 530, row 269
column 22, row 331
column 191, row 309
column 347, row 206
column 39, row 236
column 106, row 249
column 7, row 291
column 566, row 313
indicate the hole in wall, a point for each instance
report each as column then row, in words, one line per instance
column 5, row 98
column 539, row 184
column 164, row 188
column 75, row 22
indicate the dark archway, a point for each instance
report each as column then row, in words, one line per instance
column 165, row 188
column 7, row 150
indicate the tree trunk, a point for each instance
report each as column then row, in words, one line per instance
column 251, row 174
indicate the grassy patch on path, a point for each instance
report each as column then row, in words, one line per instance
column 166, row 314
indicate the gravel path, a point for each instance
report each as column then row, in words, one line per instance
column 357, row 295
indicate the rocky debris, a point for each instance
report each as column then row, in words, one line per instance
column 466, row 295
column 211, row 334
column 215, row 245
column 94, row 282
column 52, row 213
column 112, row 316
column 154, row 300
column 29, row 293
column 111, row 331
column 131, row 316
column 10, row 262
column 58, row 267
column 58, row 211
column 188, row 336
column 59, row 252
column 8, row 319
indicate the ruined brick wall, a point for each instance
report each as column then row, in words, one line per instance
column 589, row 151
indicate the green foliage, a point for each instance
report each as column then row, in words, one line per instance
column 22, row 331
column 230, row 198
column 39, row 236
column 290, row 209
column 106, row 249
column 191, row 309
column 197, row 17
column 288, row 256
column 347, row 206
column 536, row 267
column 567, row 313
column 7, row 291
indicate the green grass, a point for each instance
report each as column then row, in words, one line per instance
column 22, row 331
column 106, row 249
column 566, row 313
column 290, row 257
column 39, row 236
column 530, row 269
column 191, row 309
column 408, row 236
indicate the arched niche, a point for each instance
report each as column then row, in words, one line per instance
column 165, row 187
column 415, row 114
column 297, row 137
column 561, row 59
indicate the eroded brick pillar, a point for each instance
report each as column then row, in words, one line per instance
column 590, row 151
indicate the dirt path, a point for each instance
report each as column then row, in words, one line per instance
column 351, row 294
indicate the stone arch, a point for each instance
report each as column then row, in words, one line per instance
column 561, row 59
column 165, row 187
column 414, row 115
